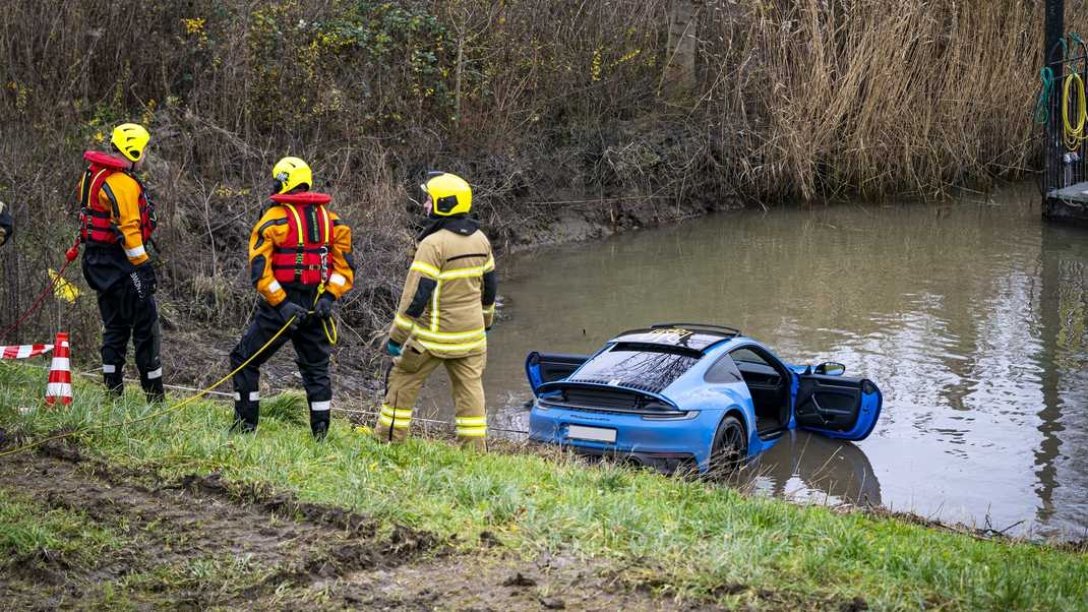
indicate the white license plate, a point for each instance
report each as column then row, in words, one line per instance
column 596, row 434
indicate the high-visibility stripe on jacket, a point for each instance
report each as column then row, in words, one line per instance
column 115, row 210
column 454, row 320
column 279, row 228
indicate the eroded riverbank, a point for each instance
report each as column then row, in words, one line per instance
column 597, row 534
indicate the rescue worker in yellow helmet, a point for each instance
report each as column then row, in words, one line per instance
column 7, row 227
column 445, row 311
column 300, row 261
column 116, row 223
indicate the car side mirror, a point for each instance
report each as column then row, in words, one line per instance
column 831, row 368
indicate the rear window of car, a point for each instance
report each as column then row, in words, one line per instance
column 640, row 366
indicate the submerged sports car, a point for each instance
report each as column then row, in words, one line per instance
column 681, row 395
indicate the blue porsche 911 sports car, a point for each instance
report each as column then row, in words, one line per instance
column 686, row 394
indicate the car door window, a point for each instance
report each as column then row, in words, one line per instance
column 723, row 371
column 747, row 355
column 755, row 367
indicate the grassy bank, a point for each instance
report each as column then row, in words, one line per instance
column 684, row 539
column 29, row 532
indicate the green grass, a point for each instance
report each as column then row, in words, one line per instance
column 30, row 531
column 686, row 537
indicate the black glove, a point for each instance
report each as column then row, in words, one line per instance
column 289, row 309
column 323, row 308
column 143, row 279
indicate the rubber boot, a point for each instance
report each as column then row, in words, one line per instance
column 153, row 389
column 319, row 425
column 115, row 383
column 246, row 413
column 242, row 426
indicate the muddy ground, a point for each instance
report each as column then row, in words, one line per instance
column 201, row 543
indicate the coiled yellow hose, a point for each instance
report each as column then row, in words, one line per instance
column 1074, row 134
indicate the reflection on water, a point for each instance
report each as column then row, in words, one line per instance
column 814, row 469
column 971, row 317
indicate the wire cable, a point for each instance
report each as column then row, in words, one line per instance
column 175, row 407
column 210, row 391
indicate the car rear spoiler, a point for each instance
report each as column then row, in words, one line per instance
column 724, row 330
column 642, row 397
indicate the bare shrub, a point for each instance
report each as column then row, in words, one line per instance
column 540, row 104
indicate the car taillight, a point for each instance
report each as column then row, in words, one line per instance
column 672, row 415
column 656, row 405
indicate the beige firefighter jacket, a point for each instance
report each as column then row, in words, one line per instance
column 448, row 301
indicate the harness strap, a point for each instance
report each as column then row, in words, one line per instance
column 298, row 219
column 287, row 250
column 86, row 185
column 311, row 232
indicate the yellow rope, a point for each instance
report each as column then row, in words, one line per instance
column 1074, row 134
column 329, row 325
column 158, row 413
column 331, row 332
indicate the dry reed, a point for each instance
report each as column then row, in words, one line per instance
column 537, row 103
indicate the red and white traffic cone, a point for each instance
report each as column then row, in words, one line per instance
column 60, row 373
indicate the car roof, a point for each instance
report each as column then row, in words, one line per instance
column 694, row 336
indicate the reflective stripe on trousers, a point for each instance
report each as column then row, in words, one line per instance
column 406, row 378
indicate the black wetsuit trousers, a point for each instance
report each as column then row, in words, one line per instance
column 124, row 315
column 312, row 350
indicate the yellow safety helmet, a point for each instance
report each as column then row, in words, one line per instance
column 290, row 173
column 130, row 139
column 450, row 194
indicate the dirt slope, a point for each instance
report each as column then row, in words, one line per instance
column 201, row 543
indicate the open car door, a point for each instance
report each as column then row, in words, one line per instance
column 836, row 406
column 543, row 368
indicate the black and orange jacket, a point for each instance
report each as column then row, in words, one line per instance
column 299, row 243
column 115, row 207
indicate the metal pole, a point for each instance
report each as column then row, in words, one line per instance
column 1052, row 57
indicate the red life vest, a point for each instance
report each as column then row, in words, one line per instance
column 95, row 218
column 303, row 256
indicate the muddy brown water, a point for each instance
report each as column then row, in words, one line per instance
column 971, row 316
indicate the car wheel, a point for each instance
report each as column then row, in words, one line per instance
column 730, row 446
